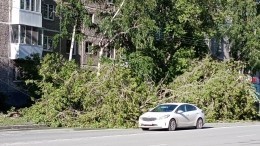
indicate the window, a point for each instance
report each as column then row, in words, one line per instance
column 14, row 34
column 182, row 107
column 38, row 5
column 88, row 48
column 29, row 35
column 22, row 4
column 68, row 44
column 45, row 11
column 48, row 12
column 110, row 52
column 48, row 43
column 258, row 7
column 190, row 108
column 164, row 108
column 27, row 4
column 110, row 1
column 30, row 5
column 159, row 35
column 40, row 34
column 22, row 34
column 51, row 12
column 34, row 36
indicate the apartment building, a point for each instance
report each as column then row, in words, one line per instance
column 85, row 52
column 28, row 27
column 20, row 36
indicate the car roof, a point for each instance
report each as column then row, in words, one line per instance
column 177, row 103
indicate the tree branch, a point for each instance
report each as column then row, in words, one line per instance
column 120, row 33
column 120, row 7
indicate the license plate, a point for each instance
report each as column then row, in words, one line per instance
column 147, row 124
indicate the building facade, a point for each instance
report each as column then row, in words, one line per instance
column 28, row 27
column 20, row 36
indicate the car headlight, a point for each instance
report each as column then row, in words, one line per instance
column 164, row 117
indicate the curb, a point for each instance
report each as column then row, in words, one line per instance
column 23, row 127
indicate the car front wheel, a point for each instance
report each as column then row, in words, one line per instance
column 199, row 124
column 172, row 125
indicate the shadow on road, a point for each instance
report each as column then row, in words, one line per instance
column 182, row 129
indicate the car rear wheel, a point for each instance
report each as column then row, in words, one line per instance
column 145, row 129
column 172, row 125
column 199, row 124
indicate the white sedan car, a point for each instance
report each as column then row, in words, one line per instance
column 171, row 116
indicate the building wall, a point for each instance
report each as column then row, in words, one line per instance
column 4, row 27
column 4, row 74
column 8, row 84
column 91, row 35
column 52, row 28
column 50, row 24
column 81, row 56
column 4, row 44
column 17, row 97
column 4, row 10
column 4, row 40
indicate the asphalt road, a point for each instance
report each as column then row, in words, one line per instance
column 245, row 134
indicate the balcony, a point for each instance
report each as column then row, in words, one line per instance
column 27, row 12
column 19, row 51
column 25, row 40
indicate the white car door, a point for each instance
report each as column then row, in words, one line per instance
column 192, row 114
column 182, row 116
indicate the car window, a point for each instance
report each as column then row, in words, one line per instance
column 164, row 108
column 190, row 108
column 182, row 107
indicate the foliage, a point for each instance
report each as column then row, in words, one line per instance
column 29, row 68
column 160, row 39
column 216, row 87
column 3, row 99
column 150, row 34
column 182, row 24
column 73, row 97
column 157, row 29
column 72, row 13
column 238, row 22
column 141, row 66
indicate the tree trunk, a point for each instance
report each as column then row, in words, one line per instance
column 72, row 42
column 100, row 42
column 226, row 48
column 99, row 60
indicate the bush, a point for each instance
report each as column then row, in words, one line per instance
column 72, row 97
column 216, row 87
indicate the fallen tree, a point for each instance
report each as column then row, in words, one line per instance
column 218, row 88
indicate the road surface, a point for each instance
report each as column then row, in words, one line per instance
column 246, row 134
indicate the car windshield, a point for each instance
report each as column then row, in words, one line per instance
column 164, row 108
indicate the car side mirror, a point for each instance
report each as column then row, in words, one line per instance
column 180, row 111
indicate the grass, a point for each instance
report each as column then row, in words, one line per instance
column 9, row 121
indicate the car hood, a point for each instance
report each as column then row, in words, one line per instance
column 155, row 114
